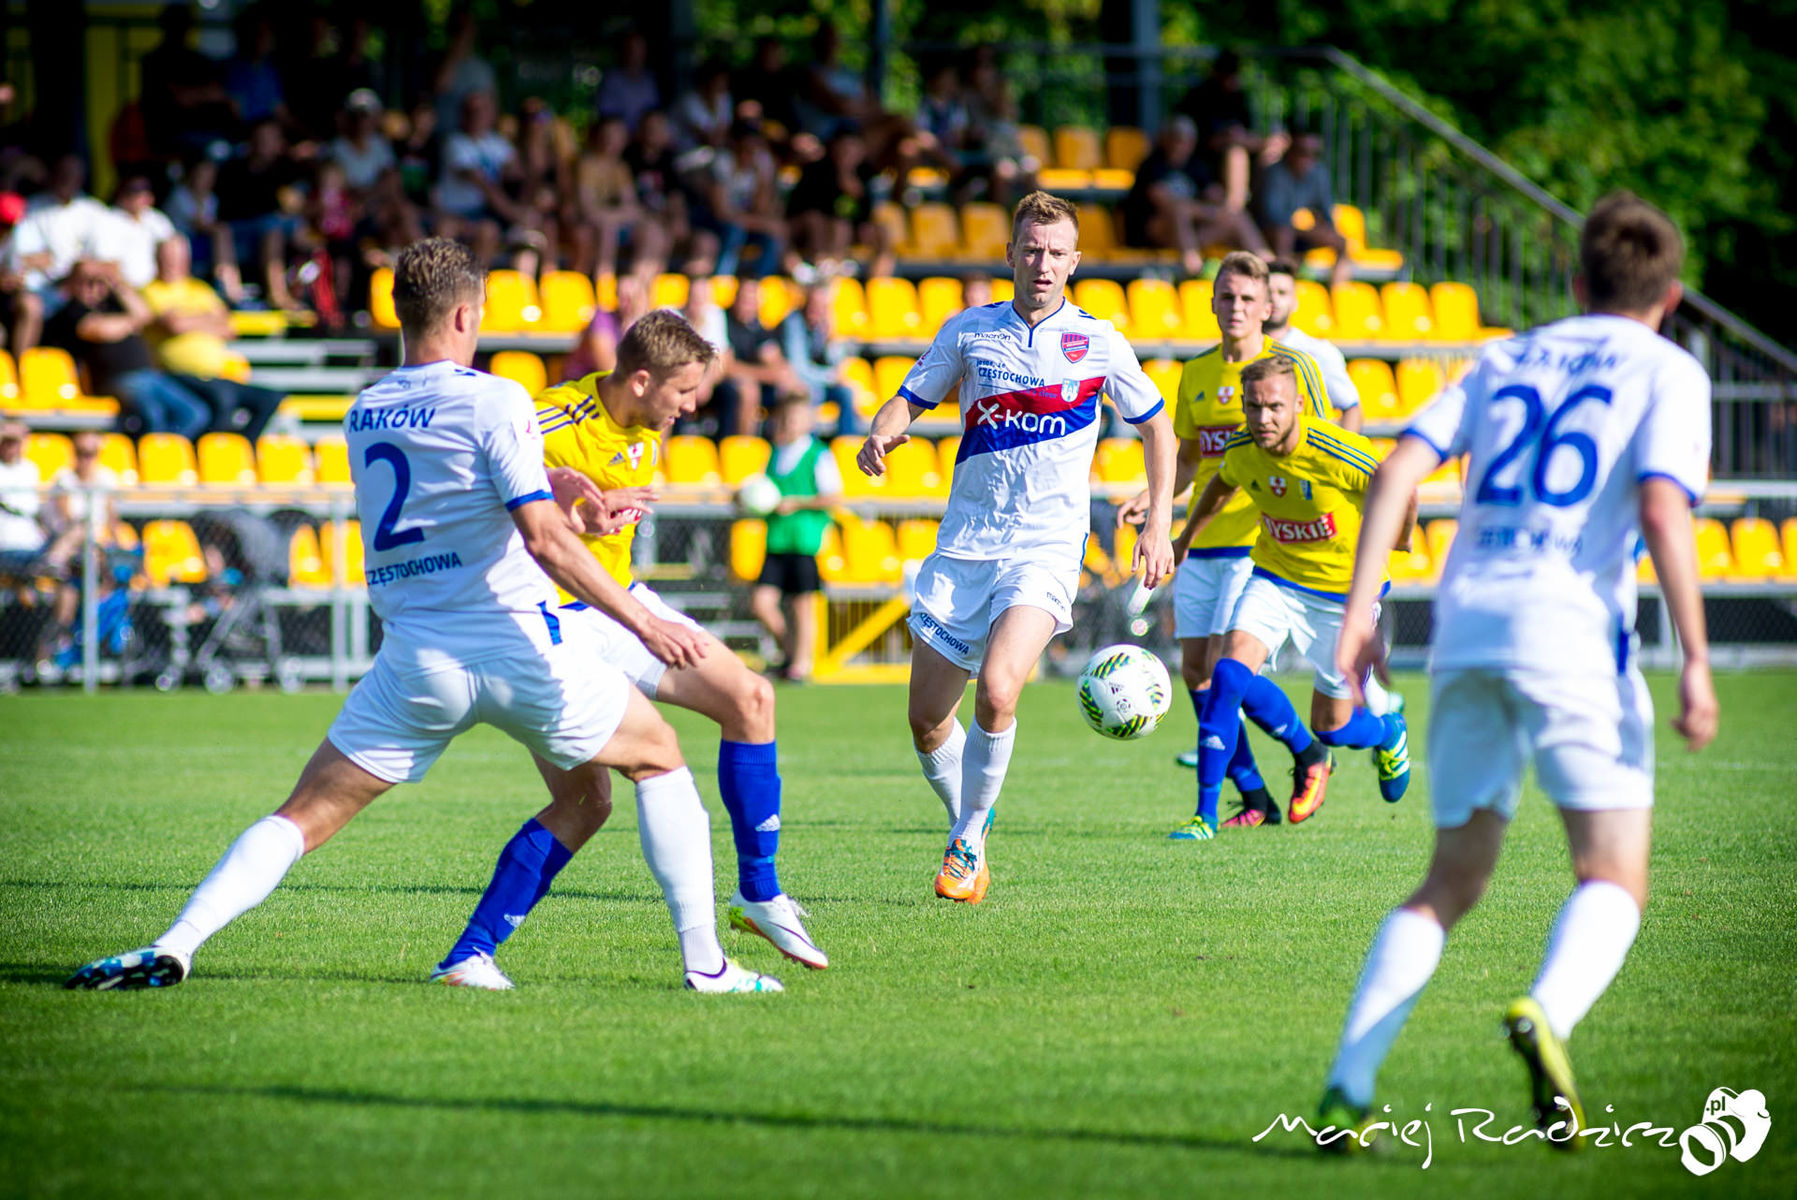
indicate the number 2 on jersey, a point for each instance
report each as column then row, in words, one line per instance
column 385, row 538
column 1492, row 489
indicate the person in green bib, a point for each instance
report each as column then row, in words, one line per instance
column 810, row 485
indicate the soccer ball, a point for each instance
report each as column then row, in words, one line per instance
column 1124, row 692
column 758, row 496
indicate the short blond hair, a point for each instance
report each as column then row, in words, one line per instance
column 431, row 278
column 1264, row 370
column 1240, row 262
column 661, row 342
column 1043, row 208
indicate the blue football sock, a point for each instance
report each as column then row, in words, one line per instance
column 1243, row 772
column 749, row 782
column 1219, row 728
column 1269, row 707
column 527, row 866
column 1362, row 732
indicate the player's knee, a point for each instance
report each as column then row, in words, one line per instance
column 754, row 701
column 928, row 729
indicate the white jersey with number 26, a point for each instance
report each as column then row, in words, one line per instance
column 440, row 455
column 1562, row 424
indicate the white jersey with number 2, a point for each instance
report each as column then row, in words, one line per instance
column 440, row 455
column 1562, row 425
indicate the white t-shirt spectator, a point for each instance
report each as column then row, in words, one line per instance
column 487, row 155
column 361, row 167
column 698, row 123
column 70, row 488
column 19, row 504
column 131, row 242
column 69, row 232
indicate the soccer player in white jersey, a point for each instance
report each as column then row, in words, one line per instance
column 1282, row 292
column 1001, row 582
column 1585, row 436
column 463, row 523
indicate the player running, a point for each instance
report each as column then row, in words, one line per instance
column 465, row 521
column 1584, row 435
column 1001, row 582
column 608, row 427
column 1213, row 573
column 1307, row 478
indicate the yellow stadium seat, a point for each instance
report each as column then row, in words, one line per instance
column 985, row 228
column 512, row 304
column 1076, row 148
column 1787, row 536
column 844, row 449
column 283, row 459
column 892, row 312
column 870, row 552
column 1314, row 312
column 1413, row 565
column 692, row 460
column 1059, row 179
column 1457, row 318
column 118, row 454
column 1165, row 373
column 948, row 452
column 172, row 553
column 779, row 296
column 1003, row 290
column 916, row 539
column 605, row 292
column 1125, row 147
column 1104, row 299
column 669, row 291
column 568, row 302
column 522, row 367
column 748, row 549
column 1357, row 312
column 47, row 378
column 1418, row 381
column 226, row 460
column 1097, row 232
column 166, row 459
column 333, row 460
column 1120, row 460
column 9, row 379
column 1195, row 296
column 1757, row 556
column 305, row 564
column 52, row 452
column 829, row 557
column 1034, row 140
column 1372, row 378
column 934, row 231
column 912, row 470
column 352, row 550
column 1408, row 314
column 858, row 374
column 380, row 299
column 1715, row 560
column 849, row 301
column 1154, row 309
column 889, row 372
column 740, row 456
column 938, row 299
column 1440, row 535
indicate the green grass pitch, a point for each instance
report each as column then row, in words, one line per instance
column 1120, row 1018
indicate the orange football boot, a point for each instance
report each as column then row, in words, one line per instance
column 1309, row 786
column 964, row 876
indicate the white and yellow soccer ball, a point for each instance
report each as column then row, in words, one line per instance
column 757, row 496
column 1124, row 692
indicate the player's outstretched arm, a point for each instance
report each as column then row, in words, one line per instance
column 1667, row 530
column 1154, row 549
column 889, row 428
column 1386, row 515
column 569, row 563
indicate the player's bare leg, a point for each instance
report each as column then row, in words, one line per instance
column 764, row 605
column 801, row 635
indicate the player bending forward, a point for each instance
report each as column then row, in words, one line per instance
column 1307, row 478
column 1001, row 582
column 448, row 467
column 1584, row 435
column 608, row 427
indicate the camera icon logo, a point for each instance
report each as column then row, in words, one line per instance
column 1734, row 1126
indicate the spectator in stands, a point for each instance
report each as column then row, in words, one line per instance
column 334, row 66
column 944, row 124
column 651, row 159
column 251, row 79
column 736, row 201
column 478, row 163
column 545, row 187
column 360, row 149
column 136, row 228
column 702, row 313
column 419, row 153
column 261, row 213
column 61, row 225
column 21, row 309
column 1231, row 147
column 607, row 210
column 995, row 157
column 810, row 484
column 68, row 509
column 21, row 531
column 832, row 206
column 769, row 84
column 629, row 90
column 831, row 93
column 704, row 115
column 185, row 105
column 808, row 340
column 597, row 349
column 1300, row 180
column 1175, row 203
column 756, row 373
column 192, row 208
column 461, row 72
column 333, row 214
column 101, row 324
column 188, row 336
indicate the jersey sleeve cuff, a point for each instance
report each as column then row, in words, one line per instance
column 1149, row 415
column 911, row 397
column 527, row 498
column 1425, row 439
column 1684, row 487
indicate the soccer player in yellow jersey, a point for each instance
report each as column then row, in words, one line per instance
column 1307, row 480
column 609, row 427
column 1213, row 573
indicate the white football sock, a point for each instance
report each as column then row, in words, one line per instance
column 1398, row 966
column 983, row 764
column 942, row 769
column 675, row 831
column 1592, row 936
column 252, row 868
column 1378, row 700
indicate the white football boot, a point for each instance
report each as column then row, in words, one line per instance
column 779, row 921
column 478, row 971
column 732, row 978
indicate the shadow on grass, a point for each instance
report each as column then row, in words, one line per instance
column 1123, row 1139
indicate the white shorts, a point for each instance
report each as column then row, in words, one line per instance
column 1590, row 738
column 564, row 708
column 1205, row 593
column 622, row 648
column 1271, row 613
column 958, row 601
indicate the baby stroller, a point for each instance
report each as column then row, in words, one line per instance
column 247, row 554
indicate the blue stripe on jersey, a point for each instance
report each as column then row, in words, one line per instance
column 1158, row 405
column 528, row 498
column 911, row 397
column 1022, row 418
column 1622, row 647
column 1343, row 451
column 1691, row 495
column 1440, row 454
column 1219, row 552
column 554, row 622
